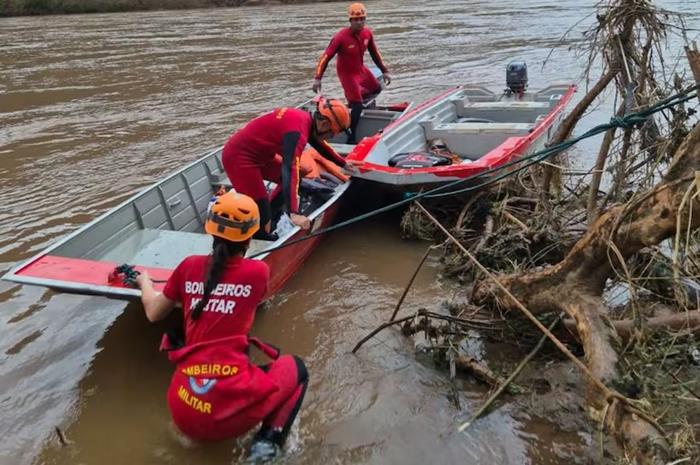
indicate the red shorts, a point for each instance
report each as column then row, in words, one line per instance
column 248, row 179
column 358, row 86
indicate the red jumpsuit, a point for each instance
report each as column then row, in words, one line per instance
column 215, row 392
column 357, row 81
column 249, row 155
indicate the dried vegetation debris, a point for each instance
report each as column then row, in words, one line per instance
column 502, row 227
column 616, row 250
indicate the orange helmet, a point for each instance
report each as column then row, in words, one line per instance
column 357, row 10
column 234, row 217
column 336, row 112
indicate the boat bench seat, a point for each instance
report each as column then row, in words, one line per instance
column 473, row 140
column 342, row 149
column 502, row 111
column 159, row 248
column 217, row 180
column 372, row 121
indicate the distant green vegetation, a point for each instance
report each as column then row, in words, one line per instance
column 42, row 7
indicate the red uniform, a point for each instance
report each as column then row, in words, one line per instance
column 249, row 155
column 231, row 307
column 215, row 392
column 357, row 81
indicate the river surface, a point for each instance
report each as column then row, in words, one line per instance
column 94, row 108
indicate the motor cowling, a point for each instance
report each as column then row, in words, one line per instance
column 516, row 76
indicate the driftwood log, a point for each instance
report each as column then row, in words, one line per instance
column 689, row 321
column 575, row 285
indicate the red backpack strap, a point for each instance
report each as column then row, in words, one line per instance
column 269, row 350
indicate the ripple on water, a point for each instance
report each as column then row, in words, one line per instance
column 96, row 107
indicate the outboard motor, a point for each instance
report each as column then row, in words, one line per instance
column 516, row 77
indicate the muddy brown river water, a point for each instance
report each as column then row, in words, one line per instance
column 94, row 108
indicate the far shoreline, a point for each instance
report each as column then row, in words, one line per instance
column 15, row 8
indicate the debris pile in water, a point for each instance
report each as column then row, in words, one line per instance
column 612, row 253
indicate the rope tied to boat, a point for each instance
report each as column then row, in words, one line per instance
column 629, row 121
column 126, row 274
column 495, row 174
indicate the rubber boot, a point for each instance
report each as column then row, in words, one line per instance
column 262, row 451
column 355, row 114
column 265, row 446
column 263, row 235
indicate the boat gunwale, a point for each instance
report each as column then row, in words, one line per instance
column 403, row 177
column 14, row 273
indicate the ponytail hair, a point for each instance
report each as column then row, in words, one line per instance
column 222, row 250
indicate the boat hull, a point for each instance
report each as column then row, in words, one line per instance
column 91, row 277
column 157, row 228
column 410, row 132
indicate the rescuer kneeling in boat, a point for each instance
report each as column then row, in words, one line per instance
column 216, row 392
column 249, row 155
column 358, row 82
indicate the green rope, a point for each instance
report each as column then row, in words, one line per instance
column 628, row 121
column 127, row 274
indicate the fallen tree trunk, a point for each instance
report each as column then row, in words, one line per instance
column 676, row 322
column 478, row 370
column 694, row 61
column 598, row 169
column 567, row 126
column 575, row 285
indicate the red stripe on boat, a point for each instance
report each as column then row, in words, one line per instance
column 83, row 271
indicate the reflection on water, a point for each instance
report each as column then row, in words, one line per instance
column 93, row 108
column 375, row 407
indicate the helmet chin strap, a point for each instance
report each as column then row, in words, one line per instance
column 322, row 134
column 335, row 117
column 314, row 125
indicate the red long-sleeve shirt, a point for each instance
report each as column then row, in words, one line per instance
column 283, row 131
column 350, row 48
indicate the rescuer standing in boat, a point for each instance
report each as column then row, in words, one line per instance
column 249, row 155
column 215, row 392
column 358, row 82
